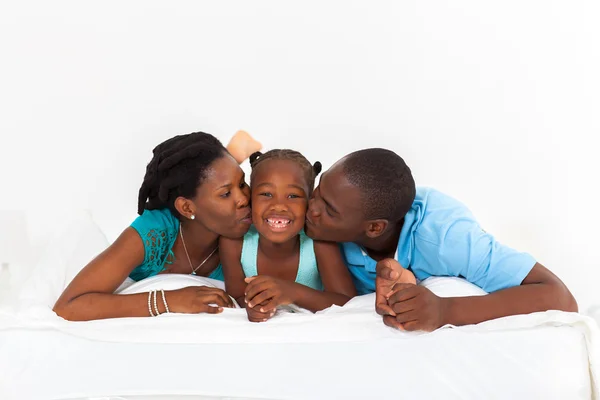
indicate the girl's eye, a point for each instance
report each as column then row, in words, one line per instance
column 226, row 194
column 266, row 194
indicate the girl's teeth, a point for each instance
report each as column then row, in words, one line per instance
column 278, row 222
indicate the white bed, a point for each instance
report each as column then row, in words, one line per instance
column 339, row 353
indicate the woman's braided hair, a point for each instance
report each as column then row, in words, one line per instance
column 177, row 167
column 310, row 170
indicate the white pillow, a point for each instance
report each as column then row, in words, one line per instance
column 445, row 286
column 66, row 253
column 169, row 282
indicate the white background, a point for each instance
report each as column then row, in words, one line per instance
column 495, row 103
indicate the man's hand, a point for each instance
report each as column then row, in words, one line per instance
column 389, row 273
column 266, row 293
column 415, row 308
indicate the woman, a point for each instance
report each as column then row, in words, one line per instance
column 193, row 192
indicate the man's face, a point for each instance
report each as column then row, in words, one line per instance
column 335, row 210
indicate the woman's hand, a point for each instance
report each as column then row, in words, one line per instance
column 198, row 299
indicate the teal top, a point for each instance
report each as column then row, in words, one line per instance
column 308, row 273
column 158, row 230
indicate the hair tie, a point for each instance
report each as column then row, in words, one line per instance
column 254, row 156
column 317, row 167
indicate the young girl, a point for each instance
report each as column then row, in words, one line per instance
column 275, row 263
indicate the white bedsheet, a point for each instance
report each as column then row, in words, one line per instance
column 339, row 353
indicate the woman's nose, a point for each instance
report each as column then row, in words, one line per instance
column 243, row 200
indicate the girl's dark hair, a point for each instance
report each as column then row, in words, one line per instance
column 310, row 170
column 177, row 167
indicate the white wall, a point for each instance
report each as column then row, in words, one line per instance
column 496, row 103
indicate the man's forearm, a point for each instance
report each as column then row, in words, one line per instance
column 522, row 299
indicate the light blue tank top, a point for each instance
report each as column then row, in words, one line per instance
column 308, row 273
column 158, row 230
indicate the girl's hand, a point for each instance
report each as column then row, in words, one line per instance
column 265, row 293
column 254, row 315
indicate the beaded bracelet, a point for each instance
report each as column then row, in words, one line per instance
column 155, row 306
column 162, row 292
column 149, row 306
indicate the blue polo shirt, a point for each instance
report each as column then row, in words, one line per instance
column 441, row 237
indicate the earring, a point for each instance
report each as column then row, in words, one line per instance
column 193, row 216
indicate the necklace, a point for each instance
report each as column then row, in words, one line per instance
column 188, row 256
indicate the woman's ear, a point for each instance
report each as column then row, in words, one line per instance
column 185, row 207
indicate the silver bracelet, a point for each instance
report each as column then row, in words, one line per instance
column 149, row 306
column 162, row 292
column 155, row 306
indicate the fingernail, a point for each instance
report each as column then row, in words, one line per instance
column 262, row 309
column 245, row 301
column 249, row 304
column 394, row 275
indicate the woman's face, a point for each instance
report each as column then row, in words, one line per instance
column 222, row 200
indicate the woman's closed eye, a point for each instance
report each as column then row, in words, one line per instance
column 227, row 194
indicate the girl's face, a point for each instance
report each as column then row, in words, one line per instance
column 279, row 199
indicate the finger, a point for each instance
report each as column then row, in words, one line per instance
column 253, row 290
column 412, row 326
column 391, row 322
column 250, row 279
column 268, row 306
column 384, row 309
column 385, row 271
column 261, row 297
column 409, row 316
column 227, row 302
column 402, row 285
column 214, row 299
column 404, row 291
column 255, row 316
column 407, row 276
column 212, row 310
column 404, row 306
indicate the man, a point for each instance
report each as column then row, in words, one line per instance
column 368, row 202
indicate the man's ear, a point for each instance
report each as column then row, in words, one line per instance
column 376, row 227
column 185, row 207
